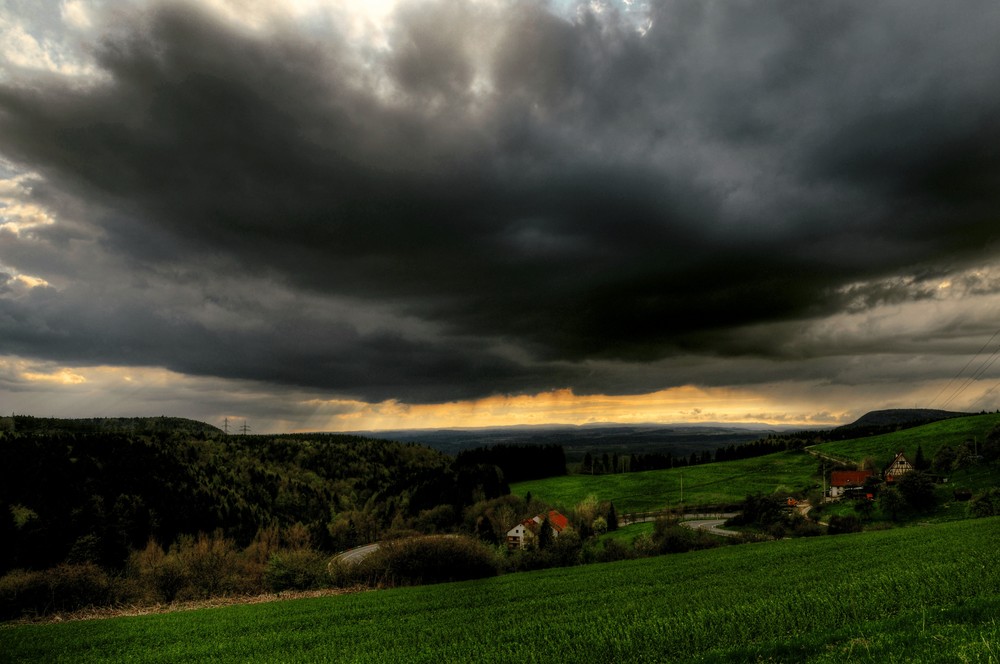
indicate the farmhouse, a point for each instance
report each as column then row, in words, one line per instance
column 523, row 533
column 843, row 482
column 899, row 467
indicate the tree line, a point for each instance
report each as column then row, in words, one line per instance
column 518, row 461
column 597, row 464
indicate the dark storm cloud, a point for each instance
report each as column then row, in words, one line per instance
column 522, row 193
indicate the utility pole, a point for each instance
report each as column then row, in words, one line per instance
column 244, row 429
column 225, row 426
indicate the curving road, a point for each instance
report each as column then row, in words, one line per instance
column 710, row 525
column 354, row 556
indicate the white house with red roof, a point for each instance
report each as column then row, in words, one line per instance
column 848, row 481
column 523, row 533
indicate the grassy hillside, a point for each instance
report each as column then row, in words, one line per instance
column 930, row 437
column 915, row 595
column 723, row 483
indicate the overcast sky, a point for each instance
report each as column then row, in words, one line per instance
column 358, row 215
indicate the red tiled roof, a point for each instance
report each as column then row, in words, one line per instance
column 558, row 521
column 849, row 477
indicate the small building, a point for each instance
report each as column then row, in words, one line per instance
column 897, row 468
column 844, row 482
column 523, row 533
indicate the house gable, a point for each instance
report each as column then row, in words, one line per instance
column 897, row 468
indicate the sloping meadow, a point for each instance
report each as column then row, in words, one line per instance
column 921, row 594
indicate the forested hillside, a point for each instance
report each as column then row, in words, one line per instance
column 86, row 492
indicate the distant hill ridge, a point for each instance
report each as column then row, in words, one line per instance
column 137, row 425
column 880, row 420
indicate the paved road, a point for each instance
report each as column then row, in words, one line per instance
column 683, row 517
column 710, row 525
column 355, row 556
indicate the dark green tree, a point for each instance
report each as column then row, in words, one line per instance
column 990, row 449
column 964, row 457
column 891, row 502
column 943, row 459
column 612, row 517
column 544, row 534
column 917, row 490
column 762, row 510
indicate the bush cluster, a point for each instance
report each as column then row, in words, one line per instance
column 63, row 588
column 840, row 525
column 194, row 567
column 422, row 560
column 986, row 503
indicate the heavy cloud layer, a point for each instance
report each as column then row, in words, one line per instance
column 498, row 198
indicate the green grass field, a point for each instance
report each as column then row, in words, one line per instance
column 731, row 481
column 905, row 595
column 723, row 483
column 626, row 534
column 930, row 437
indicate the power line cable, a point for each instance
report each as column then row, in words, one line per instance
column 987, row 363
column 962, row 370
column 983, row 397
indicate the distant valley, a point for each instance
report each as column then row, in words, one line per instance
column 674, row 439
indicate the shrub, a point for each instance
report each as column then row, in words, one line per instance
column 161, row 576
column 296, row 569
column 986, row 503
column 613, row 550
column 211, row 565
column 197, row 567
column 840, row 525
column 67, row 587
column 438, row 519
column 78, row 586
column 565, row 550
column 431, row 559
column 23, row 592
column 806, row 528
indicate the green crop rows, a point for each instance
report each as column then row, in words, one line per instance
column 927, row 594
column 723, row 483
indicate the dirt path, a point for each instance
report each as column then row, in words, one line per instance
column 100, row 613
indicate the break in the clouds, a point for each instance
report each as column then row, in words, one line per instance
column 440, row 201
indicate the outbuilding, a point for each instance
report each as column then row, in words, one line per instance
column 843, row 482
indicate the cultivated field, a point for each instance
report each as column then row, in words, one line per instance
column 906, row 595
column 724, row 483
